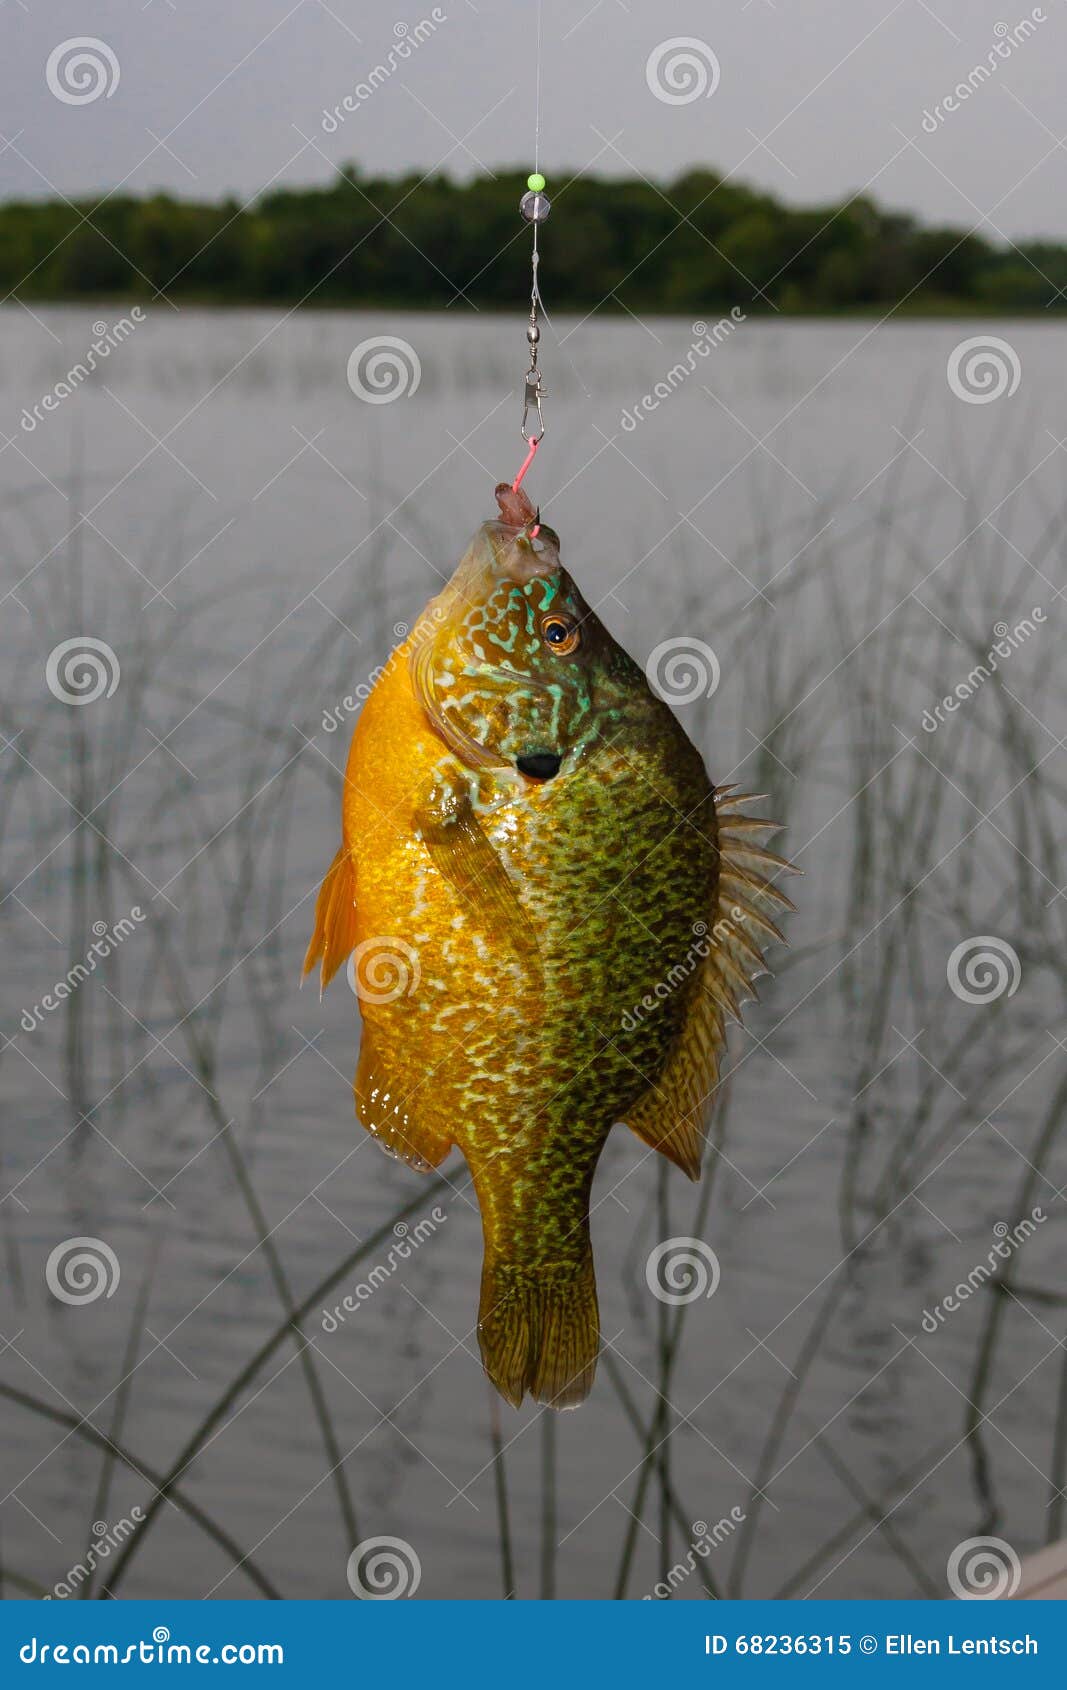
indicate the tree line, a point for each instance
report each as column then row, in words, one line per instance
column 697, row 243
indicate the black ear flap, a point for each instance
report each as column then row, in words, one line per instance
column 539, row 765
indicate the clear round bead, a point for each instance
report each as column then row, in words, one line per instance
column 535, row 207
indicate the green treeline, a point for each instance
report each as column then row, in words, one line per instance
column 409, row 242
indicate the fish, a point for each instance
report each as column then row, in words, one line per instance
column 549, row 915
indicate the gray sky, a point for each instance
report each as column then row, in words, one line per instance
column 817, row 99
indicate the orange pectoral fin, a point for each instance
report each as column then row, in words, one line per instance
column 335, row 919
column 460, row 851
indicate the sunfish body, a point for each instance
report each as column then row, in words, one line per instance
column 551, row 914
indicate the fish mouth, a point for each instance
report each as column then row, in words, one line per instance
column 539, row 765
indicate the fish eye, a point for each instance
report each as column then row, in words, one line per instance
column 563, row 636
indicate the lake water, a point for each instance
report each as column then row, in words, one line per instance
column 820, row 507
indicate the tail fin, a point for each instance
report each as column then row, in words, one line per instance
column 539, row 1330
column 335, row 919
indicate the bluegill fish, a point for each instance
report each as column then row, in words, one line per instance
column 552, row 913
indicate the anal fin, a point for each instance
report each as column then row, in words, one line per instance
column 389, row 1110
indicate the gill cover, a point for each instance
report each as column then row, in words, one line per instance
column 448, row 645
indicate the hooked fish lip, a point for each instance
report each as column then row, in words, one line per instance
column 539, row 765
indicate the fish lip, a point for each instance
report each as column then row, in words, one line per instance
column 513, row 556
column 539, row 766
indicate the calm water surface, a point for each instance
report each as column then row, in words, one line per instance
column 817, row 506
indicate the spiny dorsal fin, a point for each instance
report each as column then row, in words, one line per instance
column 670, row 1115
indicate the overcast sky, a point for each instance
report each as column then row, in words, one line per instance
column 815, row 99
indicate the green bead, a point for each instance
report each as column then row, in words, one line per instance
column 536, row 182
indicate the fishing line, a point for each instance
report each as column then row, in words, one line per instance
column 534, row 207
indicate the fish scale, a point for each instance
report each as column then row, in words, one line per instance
column 566, row 950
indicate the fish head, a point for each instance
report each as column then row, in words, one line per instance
column 512, row 667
